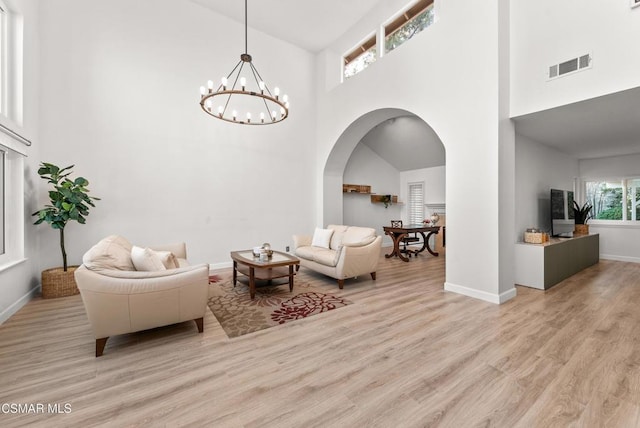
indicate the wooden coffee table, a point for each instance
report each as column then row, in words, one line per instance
column 273, row 268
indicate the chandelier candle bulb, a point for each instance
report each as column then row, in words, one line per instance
column 224, row 83
column 276, row 92
column 210, row 85
column 285, row 98
column 261, row 86
column 243, row 82
column 248, row 117
column 262, row 117
column 202, row 90
column 273, row 115
column 235, row 114
column 282, row 111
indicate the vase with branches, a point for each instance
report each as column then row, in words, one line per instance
column 69, row 201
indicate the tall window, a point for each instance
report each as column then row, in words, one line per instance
column 2, row 203
column 614, row 199
column 416, row 203
column 411, row 22
column 360, row 58
column 3, row 58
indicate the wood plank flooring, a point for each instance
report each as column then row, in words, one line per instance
column 405, row 354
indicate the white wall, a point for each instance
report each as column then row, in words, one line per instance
column 434, row 180
column 539, row 169
column 548, row 32
column 121, row 104
column 19, row 282
column 366, row 167
column 429, row 78
column 617, row 241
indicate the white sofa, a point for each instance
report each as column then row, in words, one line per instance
column 118, row 299
column 352, row 251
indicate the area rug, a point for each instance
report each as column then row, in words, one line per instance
column 272, row 306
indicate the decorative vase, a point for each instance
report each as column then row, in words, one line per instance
column 581, row 229
column 58, row 283
column 434, row 219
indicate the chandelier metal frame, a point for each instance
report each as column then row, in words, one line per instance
column 279, row 110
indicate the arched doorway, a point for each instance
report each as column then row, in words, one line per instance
column 398, row 140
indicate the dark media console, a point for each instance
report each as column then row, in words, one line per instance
column 544, row 265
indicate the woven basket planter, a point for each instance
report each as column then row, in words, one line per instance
column 58, row 283
column 582, row 229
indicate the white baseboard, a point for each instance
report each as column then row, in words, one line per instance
column 7, row 313
column 482, row 295
column 218, row 266
column 620, row 258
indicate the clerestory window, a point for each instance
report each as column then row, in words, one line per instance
column 360, row 58
column 408, row 24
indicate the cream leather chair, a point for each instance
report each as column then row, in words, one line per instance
column 352, row 251
column 118, row 299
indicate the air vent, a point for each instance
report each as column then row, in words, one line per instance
column 570, row 66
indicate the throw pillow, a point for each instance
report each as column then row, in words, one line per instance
column 112, row 252
column 321, row 237
column 145, row 259
column 168, row 259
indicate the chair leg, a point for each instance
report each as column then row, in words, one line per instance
column 373, row 276
column 200, row 323
column 341, row 283
column 100, row 344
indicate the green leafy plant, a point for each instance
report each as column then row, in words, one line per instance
column 69, row 201
column 582, row 214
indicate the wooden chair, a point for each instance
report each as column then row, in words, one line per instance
column 407, row 240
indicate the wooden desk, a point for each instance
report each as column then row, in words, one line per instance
column 399, row 233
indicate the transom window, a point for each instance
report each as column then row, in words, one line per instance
column 411, row 22
column 614, row 199
column 360, row 58
column 397, row 31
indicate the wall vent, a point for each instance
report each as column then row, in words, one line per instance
column 570, row 66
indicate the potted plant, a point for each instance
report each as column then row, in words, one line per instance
column 582, row 214
column 69, row 200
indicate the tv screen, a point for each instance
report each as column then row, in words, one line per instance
column 562, row 217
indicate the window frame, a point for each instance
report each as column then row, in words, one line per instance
column 624, row 222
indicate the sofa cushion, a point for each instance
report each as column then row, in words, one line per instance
column 356, row 236
column 145, row 259
column 113, row 252
column 323, row 256
column 338, row 233
column 321, row 237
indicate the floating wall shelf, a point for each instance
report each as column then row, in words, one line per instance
column 356, row 188
column 380, row 199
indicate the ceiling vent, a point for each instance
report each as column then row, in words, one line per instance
column 570, row 66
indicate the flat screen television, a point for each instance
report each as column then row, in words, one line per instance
column 562, row 217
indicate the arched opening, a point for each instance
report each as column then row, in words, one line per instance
column 390, row 149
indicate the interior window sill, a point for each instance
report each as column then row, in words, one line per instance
column 8, row 265
column 616, row 224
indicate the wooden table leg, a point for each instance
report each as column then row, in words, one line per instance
column 235, row 272
column 426, row 243
column 290, row 278
column 396, row 237
column 252, row 283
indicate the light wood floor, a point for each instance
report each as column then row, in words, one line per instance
column 405, row 354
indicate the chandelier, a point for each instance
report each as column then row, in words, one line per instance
column 241, row 95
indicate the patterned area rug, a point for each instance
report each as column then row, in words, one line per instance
column 273, row 305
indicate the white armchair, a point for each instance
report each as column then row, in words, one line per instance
column 118, row 299
column 352, row 251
